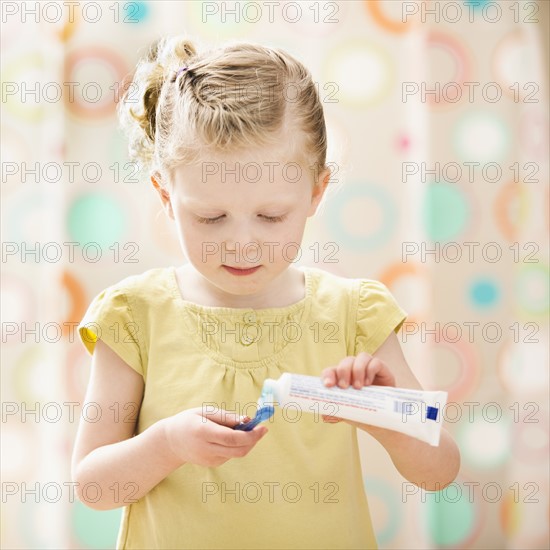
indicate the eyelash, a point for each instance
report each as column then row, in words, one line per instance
column 270, row 219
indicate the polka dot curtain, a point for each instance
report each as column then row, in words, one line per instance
column 437, row 115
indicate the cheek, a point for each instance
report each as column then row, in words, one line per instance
column 295, row 229
column 293, row 233
column 288, row 239
column 203, row 243
column 191, row 236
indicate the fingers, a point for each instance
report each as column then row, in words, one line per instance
column 238, row 438
column 381, row 374
column 235, row 444
column 350, row 371
column 218, row 430
column 231, row 451
column 340, row 374
column 329, row 376
column 221, row 416
column 361, row 366
column 373, row 368
column 378, row 370
column 359, row 371
column 344, row 371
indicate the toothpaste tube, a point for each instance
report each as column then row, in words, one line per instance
column 413, row 412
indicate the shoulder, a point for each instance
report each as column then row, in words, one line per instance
column 360, row 290
column 146, row 287
column 373, row 290
column 334, row 297
column 365, row 306
column 132, row 297
column 329, row 283
column 126, row 306
column 147, row 278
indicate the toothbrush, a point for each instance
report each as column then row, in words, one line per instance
column 263, row 414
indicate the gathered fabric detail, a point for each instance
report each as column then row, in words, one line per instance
column 245, row 337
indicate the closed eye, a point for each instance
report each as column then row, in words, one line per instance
column 271, row 219
column 274, row 218
column 209, row 220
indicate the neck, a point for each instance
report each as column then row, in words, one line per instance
column 286, row 289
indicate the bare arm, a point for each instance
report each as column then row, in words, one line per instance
column 430, row 468
column 112, row 466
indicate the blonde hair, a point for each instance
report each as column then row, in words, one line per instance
column 174, row 117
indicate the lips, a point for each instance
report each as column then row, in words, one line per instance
column 240, row 271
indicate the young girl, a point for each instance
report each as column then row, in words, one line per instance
column 234, row 141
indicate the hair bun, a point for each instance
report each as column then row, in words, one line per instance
column 137, row 109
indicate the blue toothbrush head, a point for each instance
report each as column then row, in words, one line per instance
column 265, row 413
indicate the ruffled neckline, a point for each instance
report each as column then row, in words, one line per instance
column 304, row 303
column 195, row 316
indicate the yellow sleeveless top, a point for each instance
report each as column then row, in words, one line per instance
column 301, row 486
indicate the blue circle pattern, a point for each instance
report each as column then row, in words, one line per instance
column 136, row 11
column 484, row 292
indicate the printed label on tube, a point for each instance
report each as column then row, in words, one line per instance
column 413, row 412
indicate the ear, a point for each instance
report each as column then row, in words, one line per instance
column 318, row 191
column 164, row 195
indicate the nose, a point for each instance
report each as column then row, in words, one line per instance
column 239, row 234
column 242, row 242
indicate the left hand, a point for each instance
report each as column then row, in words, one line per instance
column 358, row 371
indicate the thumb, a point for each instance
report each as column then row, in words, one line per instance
column 225, row 418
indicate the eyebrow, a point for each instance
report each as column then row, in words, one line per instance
column 200, row 204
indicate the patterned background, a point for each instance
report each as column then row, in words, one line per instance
column 478, row 324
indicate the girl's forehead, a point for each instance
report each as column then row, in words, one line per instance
column 228, row 169
column 237, row 182
column 282, row 151
column 261, row 157
column 231, row 197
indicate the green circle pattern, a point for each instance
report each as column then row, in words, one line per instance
column 445, row 211
column 449, row 523
column 96, row 529
column 98, row 218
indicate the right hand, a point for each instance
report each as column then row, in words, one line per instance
column 207, row 439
